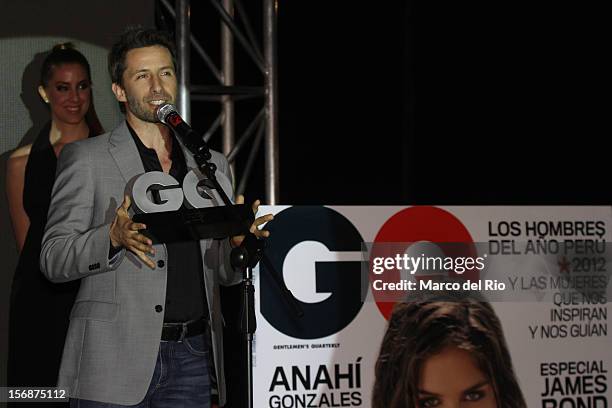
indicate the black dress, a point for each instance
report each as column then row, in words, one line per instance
column 39, row 308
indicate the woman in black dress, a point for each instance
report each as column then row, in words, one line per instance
column 39, row 309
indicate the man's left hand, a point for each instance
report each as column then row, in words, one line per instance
column 259, row 233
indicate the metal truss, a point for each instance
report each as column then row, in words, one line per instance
column 236, row 28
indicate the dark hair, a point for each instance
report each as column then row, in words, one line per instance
column 136, row 37
column 420, row 329
column 64, row 53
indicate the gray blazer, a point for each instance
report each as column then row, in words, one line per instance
column 114, row 334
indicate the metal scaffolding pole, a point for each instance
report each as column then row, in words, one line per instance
column 182, row 47
column 271, row 85
column 196, row 45
column 226, row 92
column 227, row 65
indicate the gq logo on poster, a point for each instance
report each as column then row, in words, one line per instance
column 331, row 297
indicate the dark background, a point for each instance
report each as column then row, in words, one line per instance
column 343, row 79
column 420, row 103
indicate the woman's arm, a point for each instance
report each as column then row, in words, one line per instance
column 15, row 177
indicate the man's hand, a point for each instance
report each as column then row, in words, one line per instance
column 237, row 240
column 124, row 233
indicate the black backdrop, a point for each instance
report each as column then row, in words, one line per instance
column 407, row 102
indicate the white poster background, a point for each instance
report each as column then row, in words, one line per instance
column 359, row 342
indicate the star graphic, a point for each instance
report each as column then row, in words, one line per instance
column 564, row 265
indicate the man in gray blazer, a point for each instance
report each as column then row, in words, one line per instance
column 140, row 332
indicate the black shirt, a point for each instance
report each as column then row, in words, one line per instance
column 185, row 294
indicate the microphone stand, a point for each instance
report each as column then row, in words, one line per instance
column 245, row 257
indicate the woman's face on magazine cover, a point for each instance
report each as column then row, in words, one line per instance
column 452, row 379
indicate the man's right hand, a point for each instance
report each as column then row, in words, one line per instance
column 124, row 233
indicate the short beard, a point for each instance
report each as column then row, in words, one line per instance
column 139, row 110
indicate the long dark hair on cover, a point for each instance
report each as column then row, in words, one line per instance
column 420, row 329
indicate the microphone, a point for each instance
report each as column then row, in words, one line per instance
column 169, row 116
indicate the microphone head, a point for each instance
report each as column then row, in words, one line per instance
column 164, row 110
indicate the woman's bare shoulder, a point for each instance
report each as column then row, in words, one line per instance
column 18, row 159
column 23, row 151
